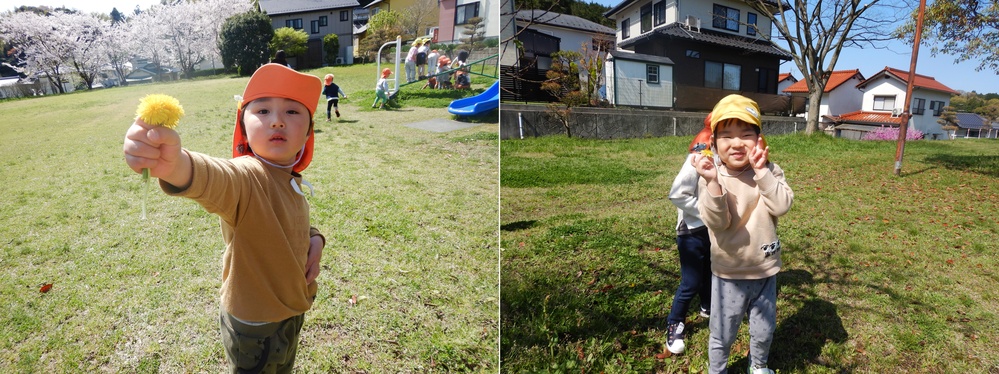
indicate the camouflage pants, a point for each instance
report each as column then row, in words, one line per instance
column 268, row 348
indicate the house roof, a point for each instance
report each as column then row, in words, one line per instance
column 921, row 81
column 626, row 3
column 563, row 20
column 861, row 117
column 836, row 79
column 623, row 55
column 676, row 30
column 786, row 76
column 971, row 121
column 277, row 7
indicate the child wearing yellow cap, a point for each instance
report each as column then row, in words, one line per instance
column 272, row 254
column 739, row 200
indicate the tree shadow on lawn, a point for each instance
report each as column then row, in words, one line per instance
column 985, row 165
column 799, row 338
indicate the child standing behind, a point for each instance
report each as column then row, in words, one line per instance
column 381, row 89
column 333, row 93
column 272, row 254
column 692, row 243
column 739, row 200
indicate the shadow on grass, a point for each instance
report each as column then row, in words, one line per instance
column 985, row 165
column 519, row 225
column 799, row 338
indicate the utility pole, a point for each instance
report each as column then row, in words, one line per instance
column 900, row 147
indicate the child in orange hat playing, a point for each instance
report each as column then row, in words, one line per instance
column 333, row 93
column 739, row 200
column 381, row 89
column 272, row 254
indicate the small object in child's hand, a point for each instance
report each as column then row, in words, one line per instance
column 707, row 153
column 160, row 110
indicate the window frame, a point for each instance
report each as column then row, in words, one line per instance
column 323, row 21
column 314, row 26
column 937, row 107
column 920, row 107
column 646, row 18
column 726, row 76
column 295, row 23
column 724, row 20
column 650, row 75
column 751, row 23
column 461, row 13
column 344, row 15
column 659, row 13
column 883, row 100
column 626, row 28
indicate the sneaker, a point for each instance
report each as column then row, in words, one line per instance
column 674, row 338
column 705, row 313
column 762, row 371
column 337, row 114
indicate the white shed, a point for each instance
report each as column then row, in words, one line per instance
column 639, row 80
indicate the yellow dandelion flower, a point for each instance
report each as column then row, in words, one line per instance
column 160, row 110
column 707, row 153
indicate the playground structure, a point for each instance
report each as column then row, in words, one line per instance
column 478, row 104
column 486, row 67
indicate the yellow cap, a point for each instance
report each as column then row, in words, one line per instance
column 738, row 107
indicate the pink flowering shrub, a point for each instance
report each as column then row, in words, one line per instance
column 891, row 133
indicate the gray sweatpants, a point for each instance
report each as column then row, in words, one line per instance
column 730, row 299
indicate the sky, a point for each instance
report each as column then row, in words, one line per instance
column 958, row 76
column 87, row 6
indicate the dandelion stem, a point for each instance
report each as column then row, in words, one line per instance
column 145, row 190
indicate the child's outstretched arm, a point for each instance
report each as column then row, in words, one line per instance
column 157, row 149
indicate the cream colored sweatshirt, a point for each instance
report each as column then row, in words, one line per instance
column 742, row 222
column 265, row 226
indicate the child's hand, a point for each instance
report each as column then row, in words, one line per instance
column 705, row 167
column 316, row 244
column 758, row 156
column 155, row 148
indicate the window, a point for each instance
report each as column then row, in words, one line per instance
column 652, row 73
column 625, row 28
column 766, row 80
column 884, row 103
column 917, row 106
column 294, row 23
column 314, row 25
column 937, row 107
column 726, row 18
column 323, row 22
column 463, row 13
column 751, row 24
column 722, row 75
column 693, row 54
column 647, row 18
column 659, row 13
column 344, row 15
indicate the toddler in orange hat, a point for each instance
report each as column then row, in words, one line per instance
column 739, row 200
column 381, row 89
column 272, row 253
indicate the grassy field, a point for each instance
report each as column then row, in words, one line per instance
column 881, row 273
column 409, row 281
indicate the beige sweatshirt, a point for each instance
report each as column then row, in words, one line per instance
column 742, row 222
column 265, row 226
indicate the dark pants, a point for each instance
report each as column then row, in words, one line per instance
column 695, row 273
column 331, row 103
column 268, row 348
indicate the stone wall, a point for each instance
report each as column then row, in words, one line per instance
column 617, row 123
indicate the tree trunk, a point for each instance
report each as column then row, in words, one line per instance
column 814, row 103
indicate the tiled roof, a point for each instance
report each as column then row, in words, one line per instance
column 921, row 81
column 836, row 79
column 869, row 118
column 676, row 30
column 563, row 20
column 276, row 7
column 625, row 3
column 970, row 121
column 782, row 76
column 641, row 57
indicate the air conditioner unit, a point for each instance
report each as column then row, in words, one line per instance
column 339, row 60
column 692, row 23
column 896, row 112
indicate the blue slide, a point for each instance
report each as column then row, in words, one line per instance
column 477, row 104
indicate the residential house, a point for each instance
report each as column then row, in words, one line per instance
column 884, row 100
column 785, row 80
column 317, row 18
column 719, row 46
column 540, row 34
column 638, row 80
column 841, row 94
column 971, row 125
column 454, row 16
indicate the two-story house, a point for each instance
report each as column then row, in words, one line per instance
column 454, row 16
column 717, row 48
column 541, row 33
column 884, row 100
column 317, row 19
column 841, row 94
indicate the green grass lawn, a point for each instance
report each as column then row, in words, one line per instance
column 409, row 281
column 881, row 273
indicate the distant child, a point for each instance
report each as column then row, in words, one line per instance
column 421, row 58
column 381, row 89
column 333, row 93
column 692, row 243
column 432, row 62
column 272, row 255
column 411, row 60
column 739, row 200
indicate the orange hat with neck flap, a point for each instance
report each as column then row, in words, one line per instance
column 275, row 80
